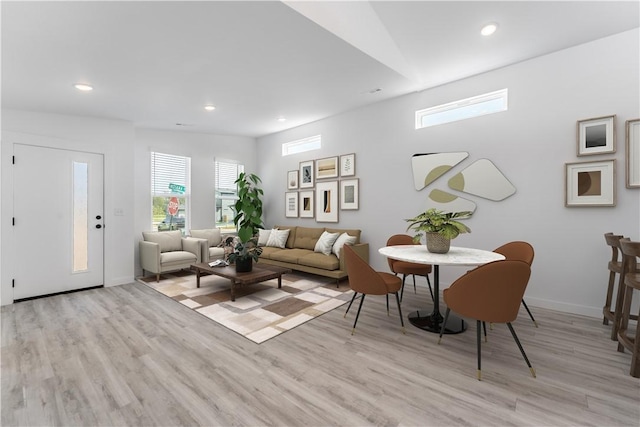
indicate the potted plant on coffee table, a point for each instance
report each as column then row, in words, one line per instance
column 248, row 219
column 439, row 228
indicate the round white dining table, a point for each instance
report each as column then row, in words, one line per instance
column 432, row 321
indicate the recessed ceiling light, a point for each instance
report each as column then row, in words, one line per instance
column 281, row 119
column 83, row 87
column 209, row 107
column 489, row 29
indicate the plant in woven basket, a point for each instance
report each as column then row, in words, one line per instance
column 443, row 224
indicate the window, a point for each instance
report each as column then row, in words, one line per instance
column 488, row 103
column 302, row 145
column 227, row 172
column 170, row 190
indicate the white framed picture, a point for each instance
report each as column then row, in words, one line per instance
column 349, row 194
column 292, row 180
column 327, row 201
column 306, row 204
column 590, row 183
column 307, row 173
column 348, row 165
column 596, row 136
column 291, row 204
column 327, row 168
column 632, row 136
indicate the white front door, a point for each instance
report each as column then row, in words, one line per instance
column 58, row 220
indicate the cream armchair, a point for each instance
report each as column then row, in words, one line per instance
column 210, row 241
column 168, row 251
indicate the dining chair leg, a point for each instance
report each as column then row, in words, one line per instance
column 415, row 291
column 526, row 359
column 484, row 328
column 352, row 299
column 404, row 276
column 357, row 315
column 430, row 290
column 388, row 305
column 479, row 350
column 444, row 322
column 530, row 315
column 400, row 312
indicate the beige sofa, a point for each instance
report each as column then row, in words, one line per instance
column 298, row 253
column 168, row 251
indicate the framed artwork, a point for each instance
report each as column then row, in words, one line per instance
column 632, row 136
column 590, row 183
column 291, row 205
column 348, row 165
column 306, row 204
column 292, row 180
column 306, row 174
column 349, row 194
column 327, row 168
column 327, row 201
column 596, row 136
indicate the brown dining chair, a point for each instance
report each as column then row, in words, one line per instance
column 615, row 267
column 490, row 293
column 364, row 280
column 631, row 253
column 407, row 268
column 520, row 251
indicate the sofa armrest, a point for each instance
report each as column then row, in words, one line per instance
column 362, row 249
column 193, row 245
column 204, row 248
column 150, row 256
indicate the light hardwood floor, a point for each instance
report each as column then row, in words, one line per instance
column 127, row 355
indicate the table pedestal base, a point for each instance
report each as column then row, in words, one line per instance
column 432, row 322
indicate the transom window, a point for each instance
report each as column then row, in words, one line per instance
column 302, row 145
column 489, row 103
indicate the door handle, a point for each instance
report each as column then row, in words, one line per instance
column 98, row 226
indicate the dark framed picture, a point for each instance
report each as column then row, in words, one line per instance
column 590, row 183
column 307, row 174
column 327, row 168
column 596, row 136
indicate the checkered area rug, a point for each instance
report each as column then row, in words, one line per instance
column 260, row 311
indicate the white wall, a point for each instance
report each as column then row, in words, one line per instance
column 203, row 149
column 113, row 139
column 529, row 143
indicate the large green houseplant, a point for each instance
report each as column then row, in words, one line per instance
column 439, row 228
column 248, row 219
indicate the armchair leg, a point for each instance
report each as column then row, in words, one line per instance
column 158, row 277
column 444, row 322
column 399, row 312
column 479, row 349
column 352, row 299
column 358, row 314
column 526, row 359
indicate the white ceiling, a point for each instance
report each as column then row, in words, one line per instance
column 157, row 63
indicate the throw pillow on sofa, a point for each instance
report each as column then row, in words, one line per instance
column 325, row 242
column 278, row 238
column 344, row 239
column 263, row 237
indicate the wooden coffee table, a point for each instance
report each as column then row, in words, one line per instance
column 259, row 273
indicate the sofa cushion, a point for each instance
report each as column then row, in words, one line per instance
column 318, row 260
column 168, row 240
column 292, row 234
column 176, row 258
column 307, row 237
column 291, row 255
column 278, row 238
column 268, row 251
column 355, row 233
column 263, row 236
column 344, row 239
column 324, row 245
column 212, row 235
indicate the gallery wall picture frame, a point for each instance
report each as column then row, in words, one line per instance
column 596, row 135
column 307, row 174
column 327, row 168
column 292, row 180
column 306, row 204
column 291, row 204
column 348, row 165
column 327, row 201
column 590, row 183
column 632, row 152
column 349, row 194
